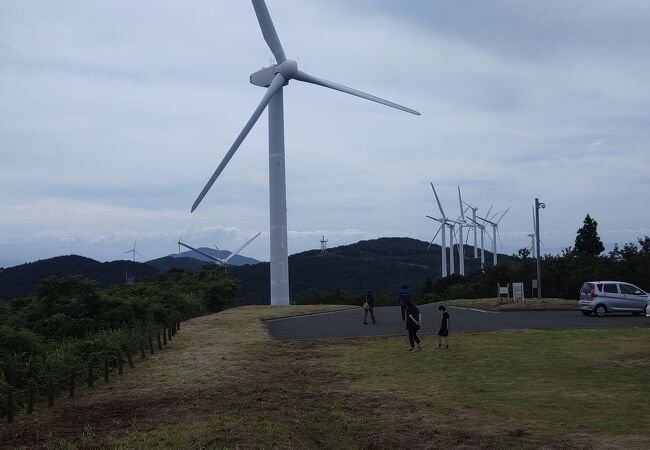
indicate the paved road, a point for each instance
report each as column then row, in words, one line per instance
column 349, row 323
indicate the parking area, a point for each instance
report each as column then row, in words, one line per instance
column 348, row 323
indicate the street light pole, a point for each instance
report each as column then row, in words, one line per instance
column 538, row 205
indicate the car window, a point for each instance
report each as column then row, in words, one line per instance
column 600, row 287
column 586, row 288
column 629, row 289
column 610, row 288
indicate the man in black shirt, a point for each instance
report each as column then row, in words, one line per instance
column 443, row 333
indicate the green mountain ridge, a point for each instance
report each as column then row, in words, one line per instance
column 382, row 264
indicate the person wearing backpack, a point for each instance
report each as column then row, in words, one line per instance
column 369, row 307
column 405, row 296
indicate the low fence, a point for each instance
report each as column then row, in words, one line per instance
column 80, row 377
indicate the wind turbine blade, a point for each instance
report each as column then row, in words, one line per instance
column 137, row 252
column 200, row 252
column 437, row 220
column 534, row 227
column 302, row 76
column 242, row 247
column 274, row 87
column 438, row 201
column 435, row 236
column 504, row 213
column 488, row 212
column 499, row 236
column 268, row 30
column 460, row 202
column 128, row 251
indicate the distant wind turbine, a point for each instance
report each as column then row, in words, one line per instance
column 444, row 221
column 216, row 259
column 495, row 233
column 274, row 78
column 134, row 251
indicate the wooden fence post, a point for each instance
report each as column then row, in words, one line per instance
column 119, row 362
column 141, row 349
column 150, row 345
column 164, row 333
column 10, row 404
column 72, row 377
column 173, row 328
column 106, row 369
column 90, row 374
column 128, row 356
column 178, row 325
column 30, row 396
column 169, row 333
column 158, row 340
column 50, row 393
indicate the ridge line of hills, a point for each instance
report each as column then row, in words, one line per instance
column 382, row 264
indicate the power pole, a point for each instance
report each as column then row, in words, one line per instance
column 538, row 205
column 323, row 245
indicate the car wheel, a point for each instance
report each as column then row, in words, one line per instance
column 600, row 310
column 586, row 313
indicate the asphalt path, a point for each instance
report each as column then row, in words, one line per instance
column 348, row 323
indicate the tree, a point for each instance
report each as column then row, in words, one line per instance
column 523, row 253
column 587, row 240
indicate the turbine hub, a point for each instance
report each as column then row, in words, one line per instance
column 288, row 69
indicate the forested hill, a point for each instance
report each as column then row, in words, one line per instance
column 380, row 264
column 22, row 280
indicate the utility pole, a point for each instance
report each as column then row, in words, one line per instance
column 538, row 205
column 323, row 245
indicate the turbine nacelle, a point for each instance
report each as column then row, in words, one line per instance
column 263, row 77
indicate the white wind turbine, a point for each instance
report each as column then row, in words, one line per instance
column 274, row 78
column 495, row 231
column 444, row 221
column 461, row 245
column 134, row 251
column 474, row 227
column 215, row 259
column 481, row 226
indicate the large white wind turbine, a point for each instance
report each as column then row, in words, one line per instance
column 274, row 78
column 495, row 231
column 216, row 259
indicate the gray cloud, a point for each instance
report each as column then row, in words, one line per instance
column 115, row 114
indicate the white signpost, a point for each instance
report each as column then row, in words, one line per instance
column 518, row 291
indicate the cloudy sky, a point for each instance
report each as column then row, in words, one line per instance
column 113, row 115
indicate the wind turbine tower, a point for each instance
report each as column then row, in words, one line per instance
column 275, row 78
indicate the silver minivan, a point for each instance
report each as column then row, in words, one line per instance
column 602, row 297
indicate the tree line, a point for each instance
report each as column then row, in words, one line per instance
column 70, row 321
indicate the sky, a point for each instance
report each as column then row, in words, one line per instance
column 113, row 115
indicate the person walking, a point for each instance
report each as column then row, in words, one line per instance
column 413, row 321
column 405, row 296
column 369, row 307
column 443, row 332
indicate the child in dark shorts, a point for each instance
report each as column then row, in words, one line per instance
column 443, row 332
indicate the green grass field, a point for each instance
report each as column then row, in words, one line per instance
column 224, row 384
